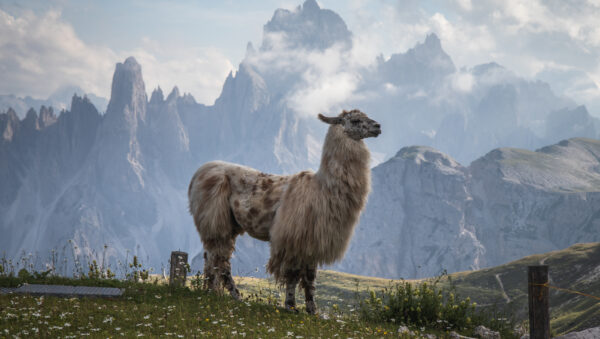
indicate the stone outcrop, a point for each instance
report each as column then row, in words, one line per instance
column 427, row 213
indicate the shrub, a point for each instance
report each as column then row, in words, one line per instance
column 419, row 305
column 426, row 305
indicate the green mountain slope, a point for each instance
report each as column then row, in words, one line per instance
column 576, row 268
column 501, row 288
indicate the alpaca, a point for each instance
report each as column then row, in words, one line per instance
column 307, row 217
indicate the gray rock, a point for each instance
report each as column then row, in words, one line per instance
column 485, row 333
column 454, row 335
column 308, row 26
column 427, row 213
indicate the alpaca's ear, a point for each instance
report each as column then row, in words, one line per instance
column 331, row 121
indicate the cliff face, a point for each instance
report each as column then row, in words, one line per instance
column 414, row 223
column 427, row 213
column 85, row 180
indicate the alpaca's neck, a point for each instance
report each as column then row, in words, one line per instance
column 344, row 162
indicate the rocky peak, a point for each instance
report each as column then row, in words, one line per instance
column 188, row 98
column 9, row 124
column 569, row 166
column 432, row 42
column 424, row 155
column 84, row 107
column 173, row 95
column 308, row 26
column 247, row 91
column 564, row 123
column 157, row 96
column 431, row 51
column 47, row 117
column 31, row 122
column 425, row 64
column 128, row 93
column 311, row 6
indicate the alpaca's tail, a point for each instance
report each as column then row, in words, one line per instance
column 208, row 195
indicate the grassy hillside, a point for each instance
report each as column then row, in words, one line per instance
column 154, row 309
column 575, row 268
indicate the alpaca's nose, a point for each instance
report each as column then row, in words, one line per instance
column 377, row 126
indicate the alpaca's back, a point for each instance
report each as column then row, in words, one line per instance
column 228, row 198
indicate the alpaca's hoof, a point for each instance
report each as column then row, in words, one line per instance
column 311, row 307
column 235, row 294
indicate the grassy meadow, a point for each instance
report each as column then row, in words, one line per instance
column 350, row 306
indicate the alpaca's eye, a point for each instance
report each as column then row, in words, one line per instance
column 355, row 121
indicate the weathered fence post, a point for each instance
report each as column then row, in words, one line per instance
column 539, row 315
column 178, row 271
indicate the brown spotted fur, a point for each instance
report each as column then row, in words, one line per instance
column 308, row 217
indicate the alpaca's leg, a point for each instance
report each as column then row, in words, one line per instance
column 308, row 282
column 209, row 273
column 292, row 278
column 226, row 272
column 219, row 261
column 228, row 279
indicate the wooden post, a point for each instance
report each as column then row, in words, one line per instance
column 178, row 271
column 539, row 315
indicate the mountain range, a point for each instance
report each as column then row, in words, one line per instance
column 60, row 100
column 428, row 214
column 80, row 180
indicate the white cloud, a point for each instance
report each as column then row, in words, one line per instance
column 199, row 71
column 40, row 54
column 323, row 93
column 466, row 44
column 319, row 80
column 527, row 37
column 462, row 81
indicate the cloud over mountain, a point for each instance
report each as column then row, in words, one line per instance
column 44, row 53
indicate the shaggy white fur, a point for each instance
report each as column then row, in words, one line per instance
column 308, row 217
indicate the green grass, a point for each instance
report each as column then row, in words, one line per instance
column 154, row 309
column 335, row 290
column 157, row 310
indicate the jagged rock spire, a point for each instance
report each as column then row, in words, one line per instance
column 128, row 92
column 308, row 27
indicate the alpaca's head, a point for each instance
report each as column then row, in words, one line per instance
column 356, row 124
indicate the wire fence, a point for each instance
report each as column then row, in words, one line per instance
column 568, row 290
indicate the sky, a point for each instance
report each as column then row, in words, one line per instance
column 48, row 45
